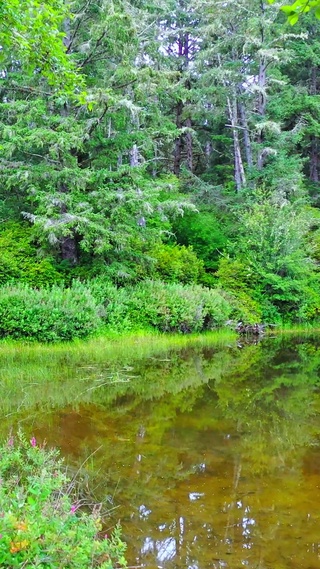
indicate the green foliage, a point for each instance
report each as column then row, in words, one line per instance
column 165, row 307
column 269, row 262
column 32, row 32
column 19, row 258
column 239, row 280
column 298, row 8
column 224, row 98
column 41, row 525
column 204, row 233
column 47, row 315
column 176, row 263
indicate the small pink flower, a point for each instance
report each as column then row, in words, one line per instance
column 10, row 442
column 73, row 509
column 33, row 442
column 106, row 536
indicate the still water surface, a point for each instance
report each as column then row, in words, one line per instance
column 209, row 455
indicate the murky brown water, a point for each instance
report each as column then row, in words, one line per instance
column 209, row 456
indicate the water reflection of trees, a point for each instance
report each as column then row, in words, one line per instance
column 205, row 450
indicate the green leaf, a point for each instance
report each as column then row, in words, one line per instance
column 293, row 19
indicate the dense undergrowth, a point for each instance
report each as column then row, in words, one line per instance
column 42, row 523
column 177, row 292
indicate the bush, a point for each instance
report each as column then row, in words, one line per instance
column 203, row 231
column 166, row 307
column 41, row 525
column 176, row 263
column 48, row 315
column 19, row 259
column 269, row 263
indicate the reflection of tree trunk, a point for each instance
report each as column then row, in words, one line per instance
column 229, row 534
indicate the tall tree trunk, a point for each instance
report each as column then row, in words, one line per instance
column 239, row 174
column 69, row 250
column 262, row 83
column 314, row 160
column 177, row 157
column 188, row 121
column 314, row 150
column 232, row 112
column 261, row 106
column 134, row 156
column 246, row 134
column 68, row 243
column 189, row 146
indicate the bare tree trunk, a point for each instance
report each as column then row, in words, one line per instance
column 68, row 244
column 262, row 82
column 239, row 174
column 179, row 142
column 314, row 151
column 69, row 250
column 134, row 156
column 246, row 135
column 314, row 160
column 189, row 146
column 208, row 151
column 188, row 121
column 232, row 112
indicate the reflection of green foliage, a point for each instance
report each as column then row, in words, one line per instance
column 165, row 421
column 153, row 391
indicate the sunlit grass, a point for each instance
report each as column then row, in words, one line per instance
column 137, row 345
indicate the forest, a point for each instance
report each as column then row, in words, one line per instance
column 159, row 165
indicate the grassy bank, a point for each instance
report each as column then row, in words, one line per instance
column 104, row 348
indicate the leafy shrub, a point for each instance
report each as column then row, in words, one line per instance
column 41, row 525
column 48, row 315
column 166, row 307
column 203, row 231
column 176, row 263
column 269, row 263
column 19, row 259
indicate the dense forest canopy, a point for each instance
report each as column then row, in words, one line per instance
column 172, row 140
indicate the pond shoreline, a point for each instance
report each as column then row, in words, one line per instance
column 147, row 336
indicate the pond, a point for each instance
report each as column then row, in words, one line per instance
column 208, row 453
